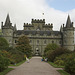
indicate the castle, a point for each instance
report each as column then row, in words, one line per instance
column 40, row 34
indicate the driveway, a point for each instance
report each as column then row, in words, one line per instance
column 34, row 67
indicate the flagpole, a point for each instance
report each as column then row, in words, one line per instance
column 42, row 15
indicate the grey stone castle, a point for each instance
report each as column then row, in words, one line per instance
column 40, row 34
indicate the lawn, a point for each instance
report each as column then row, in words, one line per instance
column 62, row 72
column 18, row 63
column 6, row 71
column 54, row 65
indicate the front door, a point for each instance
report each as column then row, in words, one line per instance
column 37, row 51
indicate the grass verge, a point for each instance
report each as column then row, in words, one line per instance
column 62, row 72
column 6, row 71
column 18, row 64
column 54, row 65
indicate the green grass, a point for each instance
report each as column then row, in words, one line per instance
column 18, row 63
column 6, row 71
column 62, row 72
column 54, row 65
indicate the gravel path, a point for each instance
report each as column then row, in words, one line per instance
column 34, row 67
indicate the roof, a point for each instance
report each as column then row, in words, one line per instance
column 33, row 32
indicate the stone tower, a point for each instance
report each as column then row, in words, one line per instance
column 68, row 35
column 7, row 30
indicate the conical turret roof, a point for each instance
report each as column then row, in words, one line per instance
column 68, row 23
column 7, row 22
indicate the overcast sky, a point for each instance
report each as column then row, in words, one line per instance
column 22, row 11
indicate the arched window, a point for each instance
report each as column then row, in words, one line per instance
column 52, row 41
column 30, row 41
column 15, row 41
column 59, row 42
column 37, row 41
column 44, row 41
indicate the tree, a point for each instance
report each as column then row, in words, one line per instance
column 24, row 46
column 3, row 43
column 51, row 47
column 4, row 61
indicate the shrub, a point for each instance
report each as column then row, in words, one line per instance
column 3, row 44
column 59, row 62
column 51, row 47
column 62, row 57
column 4, row 62
column 59, row 51
column 16, row 55
column 70, row 65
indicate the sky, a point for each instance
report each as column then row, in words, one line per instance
column 22, row 11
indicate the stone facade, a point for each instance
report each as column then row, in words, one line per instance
column 40, row 34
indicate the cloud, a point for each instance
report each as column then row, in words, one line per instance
column 24, row 10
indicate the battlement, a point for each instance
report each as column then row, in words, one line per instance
column 38, row 20
column 27, row 25
column 48, row 25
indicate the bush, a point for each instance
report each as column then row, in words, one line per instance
column 70, row 64
column 4, row 62
column 3, row 44
column 51, row 47
column 60, row 58
column 59, row 62
column 59, row 51
column 16, row 55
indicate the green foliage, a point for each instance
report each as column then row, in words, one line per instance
column 70, row 64
column 4, row 62
column 6, row 71
column 16, row 55
column 3, row 44
column 55, row 65
column 59, row 62
column 24, row 46
column 59, row 51
column 51, row 47
column 62, row 72
column 18, row 64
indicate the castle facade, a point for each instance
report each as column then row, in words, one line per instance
column 40, row 34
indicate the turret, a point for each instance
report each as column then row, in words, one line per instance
column 61, row 29
column 15, row 29
column 7, row 30
column 68, row 35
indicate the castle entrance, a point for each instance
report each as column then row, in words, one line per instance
column 37, row 51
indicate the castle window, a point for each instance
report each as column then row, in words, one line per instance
column 52, row 41
column 10, row 40
column 37, row 41
column 59, row 42
column 56, row 34
column 30, row 41
column 15, row 41
column 45, row 42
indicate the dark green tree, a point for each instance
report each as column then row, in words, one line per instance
column 51, row 47
column 3, row 43
column 24, row 46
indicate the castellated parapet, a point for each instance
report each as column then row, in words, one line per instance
column 28, row 25
column 48, row 25
column 38, row 20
